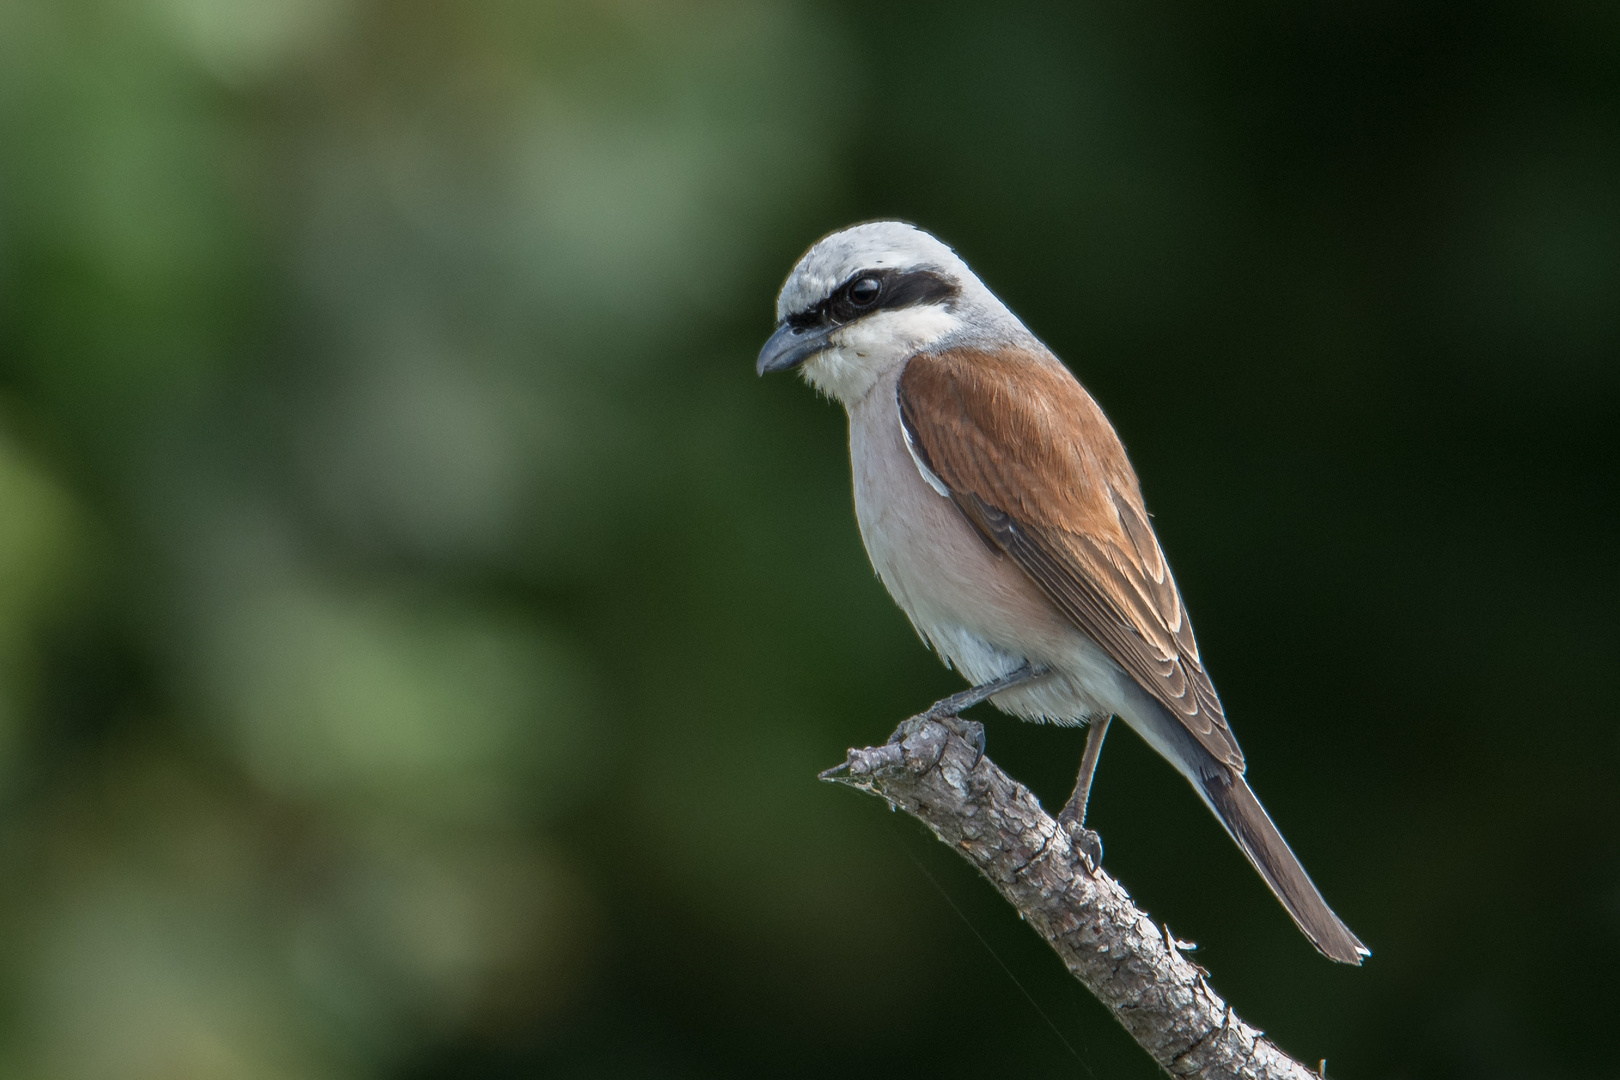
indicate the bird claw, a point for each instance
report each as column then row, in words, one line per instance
column 1087, row 842
column 969, row 731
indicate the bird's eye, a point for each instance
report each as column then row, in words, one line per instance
column 864, row 291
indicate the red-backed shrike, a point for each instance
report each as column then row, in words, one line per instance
column 999, row 509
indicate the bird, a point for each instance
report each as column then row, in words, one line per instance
column 999, row 509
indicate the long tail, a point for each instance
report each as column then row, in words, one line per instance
column 1249, row 824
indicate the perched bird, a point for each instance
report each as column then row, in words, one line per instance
column 1000, row 511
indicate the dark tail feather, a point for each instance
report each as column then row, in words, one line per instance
column 1229, row 796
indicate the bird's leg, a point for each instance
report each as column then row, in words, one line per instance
column 945, row 710
column 1072, row 817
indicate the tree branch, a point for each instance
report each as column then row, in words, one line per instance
column 1128, row 961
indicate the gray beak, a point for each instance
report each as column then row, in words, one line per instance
column 791, row 346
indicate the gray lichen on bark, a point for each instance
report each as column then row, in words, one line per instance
column 1132, row 964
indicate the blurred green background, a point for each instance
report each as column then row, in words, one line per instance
column 420, row 630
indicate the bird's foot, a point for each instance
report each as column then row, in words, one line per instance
column 1087, row 843
column 969, row 731
column 947, row 710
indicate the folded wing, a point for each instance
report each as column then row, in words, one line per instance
column 1030, row 460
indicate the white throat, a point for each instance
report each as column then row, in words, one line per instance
column 861, row 353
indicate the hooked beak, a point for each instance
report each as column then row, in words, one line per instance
column 791, row 346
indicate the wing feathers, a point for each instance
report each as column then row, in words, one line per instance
column 1035, row 467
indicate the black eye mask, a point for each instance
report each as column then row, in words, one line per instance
column 882, row 289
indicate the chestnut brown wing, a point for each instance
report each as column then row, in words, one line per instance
column 1035, row 467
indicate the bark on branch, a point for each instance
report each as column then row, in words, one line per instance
column 1132, row 964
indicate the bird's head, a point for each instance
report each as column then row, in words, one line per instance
column 865, row 299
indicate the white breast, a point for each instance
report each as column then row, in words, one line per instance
column 973, row 605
